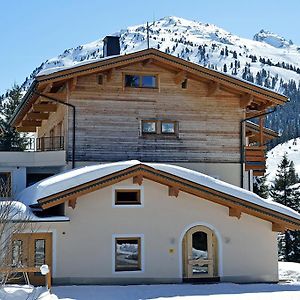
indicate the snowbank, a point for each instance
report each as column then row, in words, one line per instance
column 222, row 291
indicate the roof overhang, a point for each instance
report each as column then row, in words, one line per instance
column 140, row 171
column 248, row 91
column 253, row 132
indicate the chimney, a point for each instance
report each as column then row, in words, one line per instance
column 111, row 46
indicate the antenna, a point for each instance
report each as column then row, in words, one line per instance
column 148, row 39
column 148, row 36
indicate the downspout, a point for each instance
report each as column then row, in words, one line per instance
column 74, row 118
column 242, row 133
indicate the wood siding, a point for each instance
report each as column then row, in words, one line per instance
column 108, row 119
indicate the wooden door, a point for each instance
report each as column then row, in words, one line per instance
column 199, row 260
column 32, row 250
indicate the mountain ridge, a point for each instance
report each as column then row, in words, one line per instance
column 269, row 60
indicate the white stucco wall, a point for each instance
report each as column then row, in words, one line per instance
column 83, row 248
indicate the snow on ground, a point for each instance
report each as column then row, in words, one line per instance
column 292, row 148
column 25, row 292
column 289, row 271
column 221, row 291
column 290, row 290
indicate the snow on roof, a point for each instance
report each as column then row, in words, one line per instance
column 73, row 178
column 74, row 65
column 18, row 211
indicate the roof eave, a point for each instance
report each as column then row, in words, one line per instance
column 26, row 98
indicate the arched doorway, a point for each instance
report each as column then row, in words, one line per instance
column 199, row 249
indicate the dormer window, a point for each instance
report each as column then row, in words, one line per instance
column 140, row 81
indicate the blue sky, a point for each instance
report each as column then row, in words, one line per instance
column 32, row 31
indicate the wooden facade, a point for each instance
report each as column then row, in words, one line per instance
column 208, row 108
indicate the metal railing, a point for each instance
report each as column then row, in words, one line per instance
column 54, row 143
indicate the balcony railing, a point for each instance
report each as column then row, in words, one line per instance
column 55, row 143
column 255, row 159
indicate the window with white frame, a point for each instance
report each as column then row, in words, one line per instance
column 125, row 196
column 128, row 254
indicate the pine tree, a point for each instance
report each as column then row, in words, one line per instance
column 10, row 138
column 286, row 190
column 260, row 187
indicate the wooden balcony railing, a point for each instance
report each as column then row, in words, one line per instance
column 255, row 159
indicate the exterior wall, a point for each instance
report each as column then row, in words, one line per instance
column 84, row 247
column 108, row 126
column 32, row 159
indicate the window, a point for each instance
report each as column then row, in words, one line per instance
column 159, row 127
column 100, row 79
column 168, row 127
column 127, row 197
column 5, row 184
column 141, row 81
column 128, row 254
column 184, row 84
column 149, row 127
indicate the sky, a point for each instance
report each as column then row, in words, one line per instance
column 32, row 31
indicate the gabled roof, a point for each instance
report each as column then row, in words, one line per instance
column 72, row 184
column 61, row 74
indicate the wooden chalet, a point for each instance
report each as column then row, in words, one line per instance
column 150, row 106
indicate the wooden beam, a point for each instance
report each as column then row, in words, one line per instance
column 278, row 227
column 72, row 202
column 173, row 191
column 45, row 107
column 37, row 116
column 258, row 173
column 235, row 212
column 254, row 114
column 59, row 96
column 213, row 88
column 26, row 129
column 179, row 77
column 35, row 123
column 110, row 74
column 72, row 84
column 147, row 62
column 48, row 88
column 246, row 100
column 138, row 179
column 261, row 130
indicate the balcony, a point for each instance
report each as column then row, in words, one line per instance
column 55, row 143
column 39, row 152
column 255, row 159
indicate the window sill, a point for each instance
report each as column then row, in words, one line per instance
column 159, row 136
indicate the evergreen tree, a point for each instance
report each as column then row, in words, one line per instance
column 260, row 187
column 10, row 139
column 286, row 190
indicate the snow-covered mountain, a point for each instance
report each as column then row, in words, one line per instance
column 268, row 60
column 201, row 43
column 275, row 155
